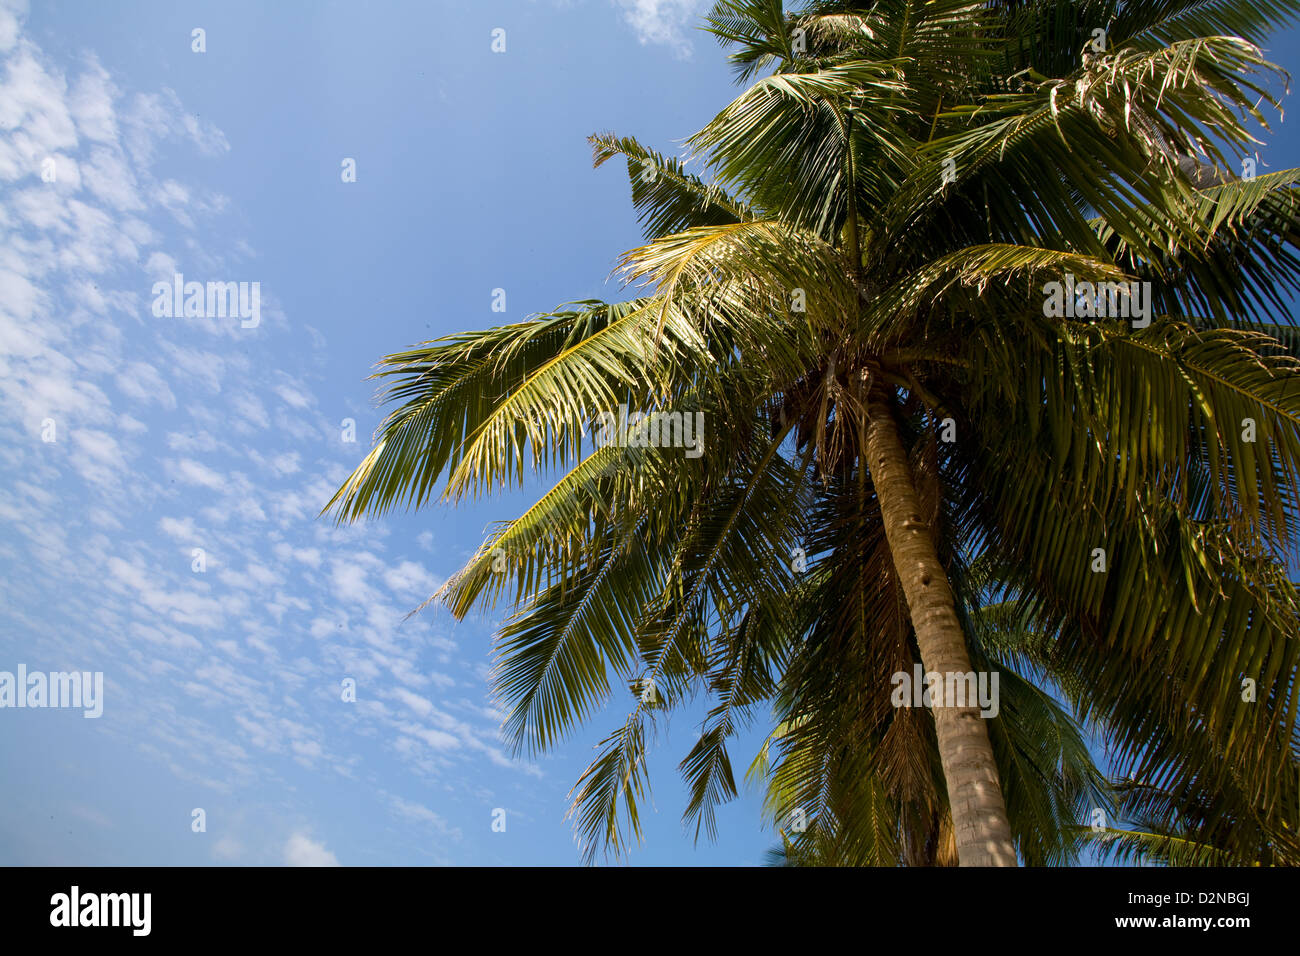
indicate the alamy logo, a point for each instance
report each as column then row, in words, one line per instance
column 652, row 430
column 213, row 300
column 102, row 909
column 933, row 689
column 1102, row 300
column 82, row 689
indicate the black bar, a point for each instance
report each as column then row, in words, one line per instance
column 650, row 906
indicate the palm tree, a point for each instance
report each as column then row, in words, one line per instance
column 866, row 272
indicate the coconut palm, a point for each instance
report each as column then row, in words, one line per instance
column 858, row 303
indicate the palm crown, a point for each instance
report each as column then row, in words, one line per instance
column 1101, row 509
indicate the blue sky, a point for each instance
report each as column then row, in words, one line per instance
column 171, row 434
column 222, row 687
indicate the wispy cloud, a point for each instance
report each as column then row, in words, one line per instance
column 664, row 22
column 302, row 850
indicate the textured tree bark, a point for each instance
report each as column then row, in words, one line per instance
column 979, row 813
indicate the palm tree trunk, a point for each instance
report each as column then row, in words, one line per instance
column 979, row 814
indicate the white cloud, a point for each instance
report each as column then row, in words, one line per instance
column 663, row 22
column 301, row 850
column 250, row 408
column 285, row 465
column 109, row 176
column 142, row 382
column 422, row 814
column 11, row 12
column 410, row 580
column 293, row 397
column 182, row 529
column 207, row 368
column 91, row 104
column 194, row 473
column 414, row 701
column 349, row 584
column 32, row 103
column 99, row 458
column 227, row 849
column 100, row 446
column 436, row 739
column 151, row 117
